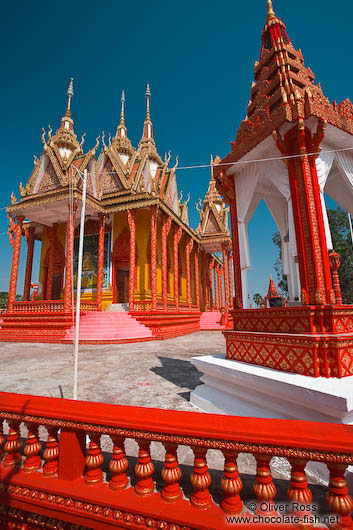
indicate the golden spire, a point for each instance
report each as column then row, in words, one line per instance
column 270, row 12
column 70, row 93
column 121, row 131
column 147, row 129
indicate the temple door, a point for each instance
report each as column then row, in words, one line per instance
column 122, row 286
column 57, row 283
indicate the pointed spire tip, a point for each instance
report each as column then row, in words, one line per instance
column 148, row 90
column 122, row 96
column 270, row 11
column 70, row 90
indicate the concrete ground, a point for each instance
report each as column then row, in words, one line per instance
column 153, row 374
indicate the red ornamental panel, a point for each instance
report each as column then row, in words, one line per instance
column 177, row 237
column 154, row 217
column 197, row 284
column 100, row 260
column 132, row 256
column 15, row 262
column 188, row 271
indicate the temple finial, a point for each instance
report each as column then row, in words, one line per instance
column 70, row 93
column 147, row 130
column 121, row 130
column 270, row 12
column 148, row 96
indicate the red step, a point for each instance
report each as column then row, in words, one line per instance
column 211, row 320
column 109, row 326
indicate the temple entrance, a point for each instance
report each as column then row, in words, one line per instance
column 122, row 285
column 56, row 288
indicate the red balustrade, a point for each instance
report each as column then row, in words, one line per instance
column 50, row 306
column 72, row 483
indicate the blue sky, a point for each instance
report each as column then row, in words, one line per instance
column 197, row 56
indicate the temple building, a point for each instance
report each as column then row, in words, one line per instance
column 139, row 250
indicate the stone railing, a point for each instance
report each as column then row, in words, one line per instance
column 62, row 477
column 39, row 306
column 143, row 305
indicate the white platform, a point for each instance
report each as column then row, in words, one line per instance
column 241, row 389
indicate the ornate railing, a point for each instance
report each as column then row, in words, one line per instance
column 58, row 482
column 39, row 306
column 88, row 306
column 143, row 305
column 50, row 306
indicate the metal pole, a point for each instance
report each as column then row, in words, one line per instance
column 79, row 277
column 350, row 226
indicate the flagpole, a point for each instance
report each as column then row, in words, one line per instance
column 79, row 278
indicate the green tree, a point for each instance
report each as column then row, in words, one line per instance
column 257, row 299
column 342, row 244
column 282, row 283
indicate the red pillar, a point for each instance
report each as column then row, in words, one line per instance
column 100, row 261
column 177, row 237
column 220, row 287
column 15, row 262
column 230, row 258
column 29, row 234
column 197, row 284
column 216, row 285
column 132, row 258
column 315, row 275
column 154, row 216
column 69, row 255
column 51, row 231
column 166, row 224
column 238, row 292
column 188, row 272
column 210, row 269
column 226, row 280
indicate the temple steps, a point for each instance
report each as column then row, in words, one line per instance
column 211, row 321
column 111, row 327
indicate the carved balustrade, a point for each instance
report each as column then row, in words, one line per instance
column 50, row 306
column 64, row 474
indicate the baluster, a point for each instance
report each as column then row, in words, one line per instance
column 171, row 474
column 2, row 439
column 264, row 488
column 12, row 445
column 231, row 484
column 338, row 498
column 51, row 453
column 144, row 470
column 32, row 450
column 118, row 465
column 94, row 461
column 298, row 491
column 200, row 480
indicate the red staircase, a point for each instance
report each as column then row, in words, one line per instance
column 109, row 327
column 211, row 321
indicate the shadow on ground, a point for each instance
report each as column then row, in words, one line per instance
column 180, row 373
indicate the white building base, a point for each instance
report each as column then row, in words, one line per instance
column 241, row 389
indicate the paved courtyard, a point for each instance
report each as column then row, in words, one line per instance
column 150, row 374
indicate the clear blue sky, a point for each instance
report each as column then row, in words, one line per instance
column 197, row 56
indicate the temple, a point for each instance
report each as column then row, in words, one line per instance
column 140, row 254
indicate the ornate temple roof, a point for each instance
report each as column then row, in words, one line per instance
column 213, row 227
column 60, row 151
column 123, row 170
column 283, row 91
